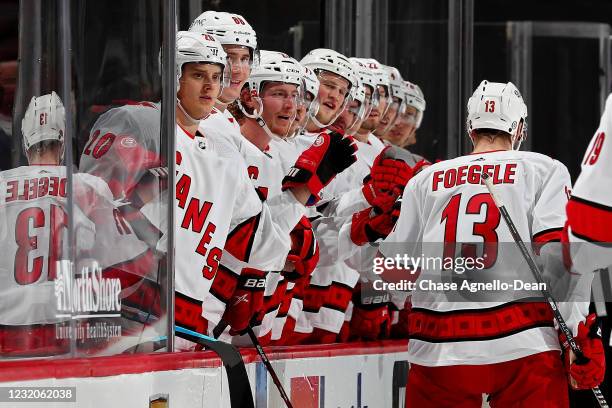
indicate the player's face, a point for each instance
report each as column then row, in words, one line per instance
column 389, row 119
column 348, row 115
column 332, row 92
column 376, row 113
column 239, row 57
column 279, row 107
column 301, row 114
column 199, row 88
column 397, row 133
column 410, row 118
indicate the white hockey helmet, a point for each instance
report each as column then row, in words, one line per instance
column 323, row 59
column 361, row 111
column 416, row 99
column 366, row 77
column 45, row 119
column 396, row 83
column 229, row 29
column 202, row 48
column 499, row 106
column 275, row 66
column 381, row 77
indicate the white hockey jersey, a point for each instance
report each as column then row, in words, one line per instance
column 224, row 124
column 589, row 210
column 446, row 205
column 34, row 227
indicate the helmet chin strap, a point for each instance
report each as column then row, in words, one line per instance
column 190, row 118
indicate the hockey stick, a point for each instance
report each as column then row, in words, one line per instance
column 262, row 355
column 535, row 270
column 269, row 367
column 237, row 378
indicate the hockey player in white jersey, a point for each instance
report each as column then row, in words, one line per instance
column 588, row 227
column 397, row 103
column 35, row 219
column 383, row 94
column 268, row 110
column 588, row 211
column 453, row 344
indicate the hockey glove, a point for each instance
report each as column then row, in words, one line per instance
column 368, row 226
column 304, row 253
column 371, row 319
column 387, row 179
column 590, row 373
column 246, row 301
column 329, row 155
column 390, row 175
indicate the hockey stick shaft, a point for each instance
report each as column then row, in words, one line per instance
column 266, row 361
column 535, row 270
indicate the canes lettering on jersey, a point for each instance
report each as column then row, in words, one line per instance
column 195, row 219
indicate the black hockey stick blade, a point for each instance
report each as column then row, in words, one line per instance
column 237, row 378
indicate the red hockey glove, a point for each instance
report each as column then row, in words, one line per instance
column 246, row 301
column 304, row 253
column 590, row 373
column 389, row 174
column 371, row 319
column 329, row 155
column 367, row 226
column 387, row 179
column 399, row 330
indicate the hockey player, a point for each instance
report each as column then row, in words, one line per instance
column 268, row 106
column 381, row 80
column 452, row 346
column 590, row 202
column 397, row 104
column 35, row 220
column 588, row 230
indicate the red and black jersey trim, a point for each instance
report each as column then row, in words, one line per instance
column 478, row 324
column 543, row 237
column 589, row 220
column 338, row 297
column 313, row 297
column 188, row 313
column 240, row 240
column 224, row 284
column 548, row 235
